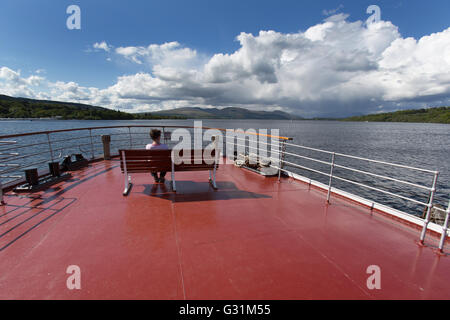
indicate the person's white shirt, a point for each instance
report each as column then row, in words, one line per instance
column 160, row 146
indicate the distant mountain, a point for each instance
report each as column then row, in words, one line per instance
column 225, row 113
column 11, row 107
column 430, row 115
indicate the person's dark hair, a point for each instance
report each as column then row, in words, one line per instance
column 155, row 134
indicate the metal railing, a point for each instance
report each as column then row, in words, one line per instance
column 5, row 156
column 332, row 163
column 445, row 228
column 281, row 164
column 38, row 148
column 35, row 149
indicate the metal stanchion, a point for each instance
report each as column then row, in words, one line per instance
column 2, row 202
column 50, row 147
column 92, row 145
column 281, row 159
column 444, row 229
column 430, row 205
column 331, row 177
column 106, row 140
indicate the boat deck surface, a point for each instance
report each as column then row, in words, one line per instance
column 253, row 238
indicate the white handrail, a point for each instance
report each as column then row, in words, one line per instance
column 280, row 159
column 361, row 158
column 338, row 166
column 350, row 156
column 308, row 148
column 444, row 228
column 381, row 190
column 384, row 177
column 303, row 167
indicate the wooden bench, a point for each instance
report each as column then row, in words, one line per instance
column 147, row 161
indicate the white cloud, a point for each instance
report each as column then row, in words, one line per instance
column 12, row 83
column 167, row 54
column 102, row 46
column 333, row 68
column 415, row 69
column 332, row 11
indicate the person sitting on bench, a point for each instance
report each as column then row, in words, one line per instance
column 155, row 134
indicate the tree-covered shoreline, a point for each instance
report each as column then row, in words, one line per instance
column 430, row 115
column 23, row 108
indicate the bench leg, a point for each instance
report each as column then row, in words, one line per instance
column 174, row 187
column 213, row 180
column 2, row 202
column 128, row 185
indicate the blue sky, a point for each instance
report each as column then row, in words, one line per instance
column 34, row 41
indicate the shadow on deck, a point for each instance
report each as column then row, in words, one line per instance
column 193, row 191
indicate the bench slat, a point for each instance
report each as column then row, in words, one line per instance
column 144, row 152
column 149, row 168
column 146, row 161
column 146, row 157
column 160, row 160
column 193, row 169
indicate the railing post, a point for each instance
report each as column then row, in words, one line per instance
column 216, row 158
column 1, row 193
column 430, row 205
column 164, row 135
column 281, row 157
column 125, row 172
column 444, row 229
column 92, row 144
column 50, row 146
column 331, row 176
column 131, row 139
column 106, row 140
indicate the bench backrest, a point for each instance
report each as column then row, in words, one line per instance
column 160, row 160
column 146, row 160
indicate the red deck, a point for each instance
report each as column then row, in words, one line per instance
column 254, row 238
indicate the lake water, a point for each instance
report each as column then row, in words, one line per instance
column 419, row 145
